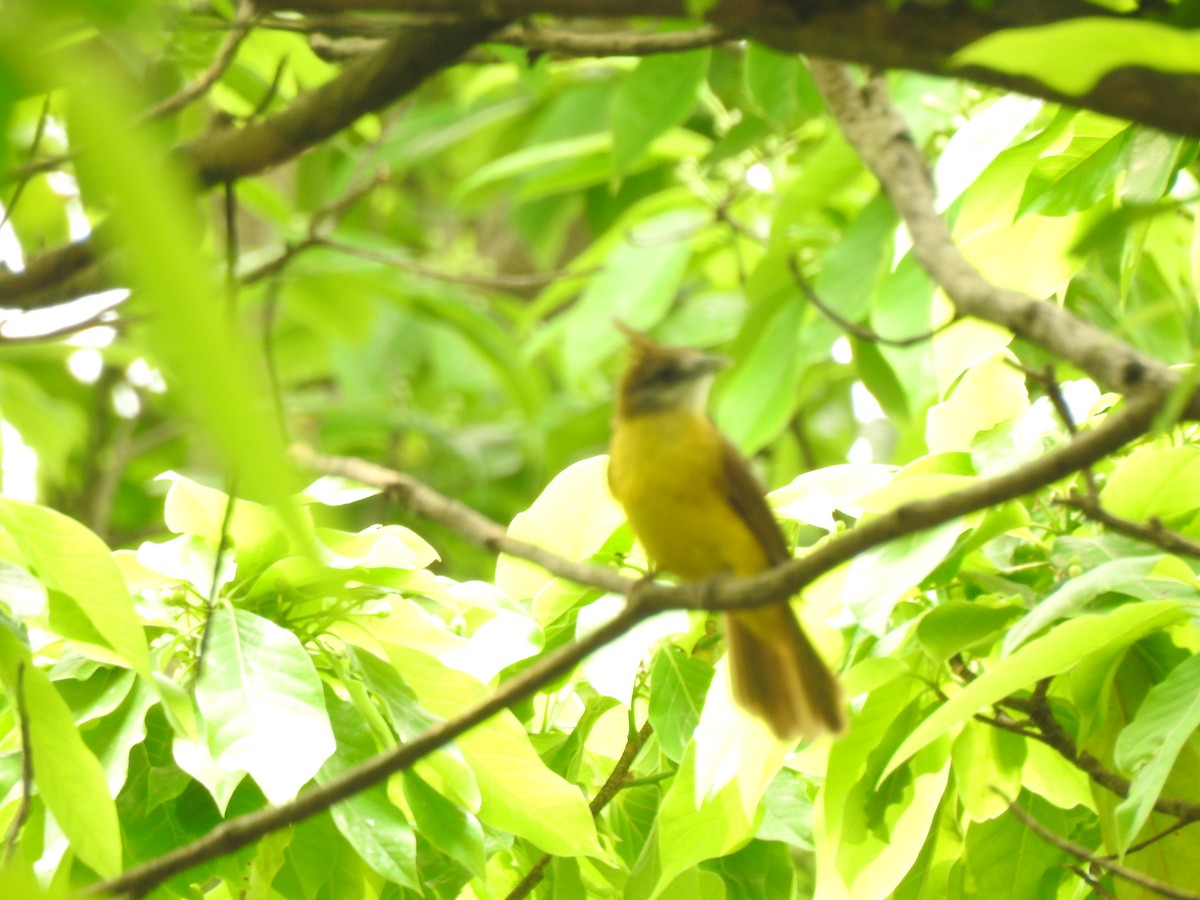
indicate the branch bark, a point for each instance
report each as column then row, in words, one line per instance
column 875, row 129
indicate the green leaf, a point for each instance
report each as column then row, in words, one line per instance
column 1149, row 745
column 1072, row 56
column 1152, row 161
column 1008, row 861
column 573, row 516
column 956, row 625
column 1127, row 576
column 1085, row 181
column 530, row 159
column 758, row 396
column 567, row 757
column 519, row 794
column 637, row 285
column 878, row 579
column 759, row 871
column 262, row 703
column 772, row 83
column 678, row 685
column 67, row 774
column 67, row 557
column 854, row 822
column 374, row 826
column 659, row 94
column 389, row 546
column 24, row 595
column 1156, row 481
column 787, row 811
column 990, row 392
column 971, row 148
column 113, row 736
column 193, row 508
column 685, row 834
column 986, row 761
column 1054, row 653
column 451, row 829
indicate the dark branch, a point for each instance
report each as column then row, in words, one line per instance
column 877, row 132
column 1083, row 853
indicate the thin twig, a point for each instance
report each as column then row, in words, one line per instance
column 859, row 331
column 1154, row 839
column 1050, row 385
column 18, row 822
column 1037, row 707
column 1083, row 853
column 38, row 133
column 238, row 30
column 1152, row 532
column 214, row 585
column 493, row 282
column 617, row 780
column 876, row 130
column 272, row 90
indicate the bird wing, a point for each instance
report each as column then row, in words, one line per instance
column 745, row 495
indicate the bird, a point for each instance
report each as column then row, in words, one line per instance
column 699, row 512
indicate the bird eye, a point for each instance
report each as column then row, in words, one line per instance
column 667, row 374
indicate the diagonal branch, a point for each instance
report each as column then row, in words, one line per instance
column 786, row 579
column 225, row 55
column 244, row 830
column 1080, row 852
column 875, row 129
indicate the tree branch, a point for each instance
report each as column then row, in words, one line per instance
column 919, row 36
column 645, row 599
column 617, row 779
column 1081, row 852
column 877, row 132
column 225, row 54
column 237, row 833
column 783, row 580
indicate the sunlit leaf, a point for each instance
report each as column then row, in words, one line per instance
column 678, row 685
column 67, row 774
column 519, row 793
column 1051, row 654
column 262, row 703
column 67, row 557
column 1150, row 744
column 656, row 95
column 1072, row 56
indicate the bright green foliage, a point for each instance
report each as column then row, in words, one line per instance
column 1072, row 56
column 185, row 639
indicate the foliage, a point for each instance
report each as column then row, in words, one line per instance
column 194, row 630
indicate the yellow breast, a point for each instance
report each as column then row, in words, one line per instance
column 668, row 471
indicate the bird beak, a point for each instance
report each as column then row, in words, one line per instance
column 710, row 362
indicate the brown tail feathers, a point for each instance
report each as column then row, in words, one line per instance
column 778, row 676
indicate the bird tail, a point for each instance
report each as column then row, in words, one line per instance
column 778, row 675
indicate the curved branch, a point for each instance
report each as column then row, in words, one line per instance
column 919, row 36
column 880, row 136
